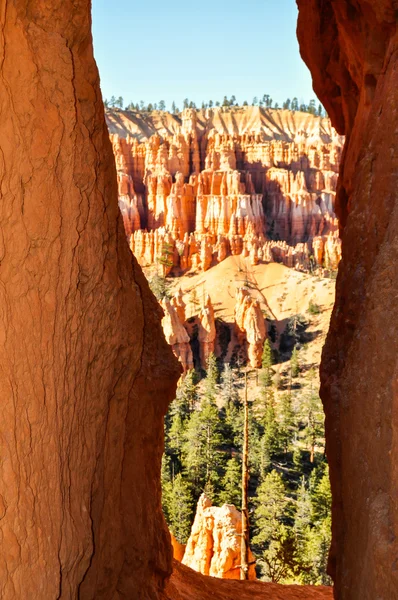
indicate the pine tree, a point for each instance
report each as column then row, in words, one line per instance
column 287, row 421
column 173, row 108
column 231, row 492
column 202, row 456
column 271, row 443
column 119, row 102
column 187, row 394
column 162, row 105
column 321, row 497
column 302, row 519
column 228, row 388
column 273, row 543
column 266, row 364
column 313, row 417
column 294, row 363
column 112, row 101
column 210, row 384
column 179, row 508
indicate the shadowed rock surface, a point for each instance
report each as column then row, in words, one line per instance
column 80, row 335
column 186, row 584
column 351, row 49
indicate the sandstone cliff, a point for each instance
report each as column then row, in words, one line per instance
column 243, row 181
column 351, row 49
column 213, row 547
column 80, row 333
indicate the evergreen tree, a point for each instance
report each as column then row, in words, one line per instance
column 187, row 394
column 210, row 384
column 271, row 442
column 231, row 491
column 159, row 285
column 255, row 101
column 302, row 519
column 228, row 388
column 295, row 105
column 119, row 102
column 179, row 507
column 173, row 108
column 186, row 103
column 294, row 363
column 266, row 364
column 313, row 417
column 321, row 497
column 312, row 107
column 287, row 422
column 112, row 101
column 202, row 456
column 162, row 105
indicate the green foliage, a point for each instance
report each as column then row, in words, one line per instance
column 271, row 510
column 202, row 446
column 313, row 309
column 294, row 363
column 178, row 507
column 232, row 484
column 287, row 422
column 266, row 101
column 290, row 520
column 211, row 380
column 266, row 363
column 160, row 287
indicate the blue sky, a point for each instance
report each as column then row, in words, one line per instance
column 203, row 50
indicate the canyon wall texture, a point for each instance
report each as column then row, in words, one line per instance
column 81, row 412
column 351, row 49
column 197, row 187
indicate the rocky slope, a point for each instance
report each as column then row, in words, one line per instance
column 351, row 49
column 244, row 181
column 186, row 584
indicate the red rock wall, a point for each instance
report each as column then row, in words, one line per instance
column 81, row 412
column 244, row 181
column 351, row 49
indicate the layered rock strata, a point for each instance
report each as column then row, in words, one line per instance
column 214, row 545
column 241, row 181
column 80, row 333
column 351, row 49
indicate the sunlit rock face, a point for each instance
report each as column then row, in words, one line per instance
column 214, row 546
column 244, row 181
column 351, row 50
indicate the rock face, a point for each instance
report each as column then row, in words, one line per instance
column 251, row 181
column 186, row 584
column 250, row 325
column 175, row 333
column 80, row 333
column 351, row 49
column 213, row 547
